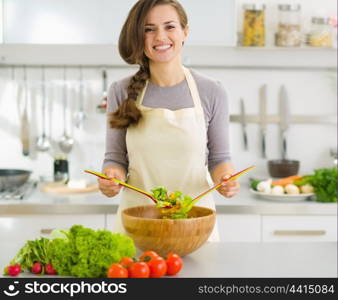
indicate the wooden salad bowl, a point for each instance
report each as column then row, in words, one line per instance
column 144, row 224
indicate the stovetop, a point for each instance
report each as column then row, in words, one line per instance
column 18, row 193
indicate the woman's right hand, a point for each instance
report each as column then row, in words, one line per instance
column 108, row 187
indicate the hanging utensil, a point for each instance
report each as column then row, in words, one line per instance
column 243, row 123
column 43, row 143
column 102, row 107
column 66, row 141
column 103, row 176
column 284, row 113
column 263, row 117
column 80, row 115
column 24, row 119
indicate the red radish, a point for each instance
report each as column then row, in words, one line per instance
column 14, row 270
column 36, row 268
column 50, row 270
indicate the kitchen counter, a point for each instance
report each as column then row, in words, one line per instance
column 96, row 203
column 279, row 259
column 249, row 260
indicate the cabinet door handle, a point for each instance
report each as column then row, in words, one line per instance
column 46, row 230
column 299, row 232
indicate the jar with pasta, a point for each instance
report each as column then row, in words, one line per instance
column 289, row 26
column 254, row 25
column 321, row 32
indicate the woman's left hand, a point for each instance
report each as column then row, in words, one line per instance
column 229, row 188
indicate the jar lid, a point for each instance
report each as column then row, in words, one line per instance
column 320, row 20
column 60, row 157
column 254, row 6
column 289, row 7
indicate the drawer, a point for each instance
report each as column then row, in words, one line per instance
column 27, row 227
column 299, row 228
column 239, row 228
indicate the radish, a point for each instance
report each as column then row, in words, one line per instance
column 14, row 270
column 50, row 270
column 36, row 268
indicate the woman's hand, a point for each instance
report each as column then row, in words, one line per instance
column 108, row 187
column 229, row 188
column 222, row 172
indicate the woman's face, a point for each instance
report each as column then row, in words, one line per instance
column 163, row 34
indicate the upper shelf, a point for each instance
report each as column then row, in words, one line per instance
column 194, row 56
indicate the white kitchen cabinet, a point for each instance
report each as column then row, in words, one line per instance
column 239, row 228
column 299, row 228
column 100, row 22
column 20, row 228
column 110, row 221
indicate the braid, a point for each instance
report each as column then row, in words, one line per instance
column 127, row 113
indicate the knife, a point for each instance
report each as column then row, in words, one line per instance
column 243, row 122
column 284, row 113
column 24, row 119
column 263, row 117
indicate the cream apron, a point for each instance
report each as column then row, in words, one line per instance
column 167, row 148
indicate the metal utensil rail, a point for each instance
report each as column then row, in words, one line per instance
column 296, row 119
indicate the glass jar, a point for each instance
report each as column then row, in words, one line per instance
column 289, row 26
column 320, row 34
column 61, row 172
column 254, row 25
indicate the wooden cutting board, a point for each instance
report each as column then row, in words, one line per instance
column 61, row 188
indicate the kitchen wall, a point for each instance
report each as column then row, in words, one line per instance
column 311, row 92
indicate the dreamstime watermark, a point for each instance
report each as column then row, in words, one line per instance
column 66, row 288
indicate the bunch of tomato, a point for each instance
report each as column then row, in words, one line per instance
column 149, row 264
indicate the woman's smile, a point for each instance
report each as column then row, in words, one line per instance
column 162, row 48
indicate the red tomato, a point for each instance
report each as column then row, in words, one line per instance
column 148, row 255
column 126, row 262
column 174, row 263
column 117, row 271
column 157, row 267
column 139, row 270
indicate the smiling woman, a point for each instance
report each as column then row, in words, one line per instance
column 164, row 40
column 167, row 125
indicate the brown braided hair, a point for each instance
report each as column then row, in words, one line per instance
column 131, row 48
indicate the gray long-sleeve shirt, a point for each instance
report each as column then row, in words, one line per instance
column 215, row 107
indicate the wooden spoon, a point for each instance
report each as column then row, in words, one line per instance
column 103, row 176
column 232, row 177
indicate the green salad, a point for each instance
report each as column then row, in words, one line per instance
column 175, row 205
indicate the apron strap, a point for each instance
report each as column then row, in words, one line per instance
column 193, row 89
column 140, row 96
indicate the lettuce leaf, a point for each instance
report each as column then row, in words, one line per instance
column 89, row 253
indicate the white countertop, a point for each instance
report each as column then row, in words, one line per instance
column 292, row 259
column 230, row 260
column 243, row 203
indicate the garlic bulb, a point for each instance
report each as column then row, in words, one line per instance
column 277, row 190
column 264, row 186
column 306, row 189
column 291, row 189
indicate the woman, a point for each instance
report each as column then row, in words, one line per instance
column 167, row 125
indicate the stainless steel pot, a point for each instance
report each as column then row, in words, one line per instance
column 11, row 178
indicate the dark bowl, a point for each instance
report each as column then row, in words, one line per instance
column 283, row 167
column 12, row 178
